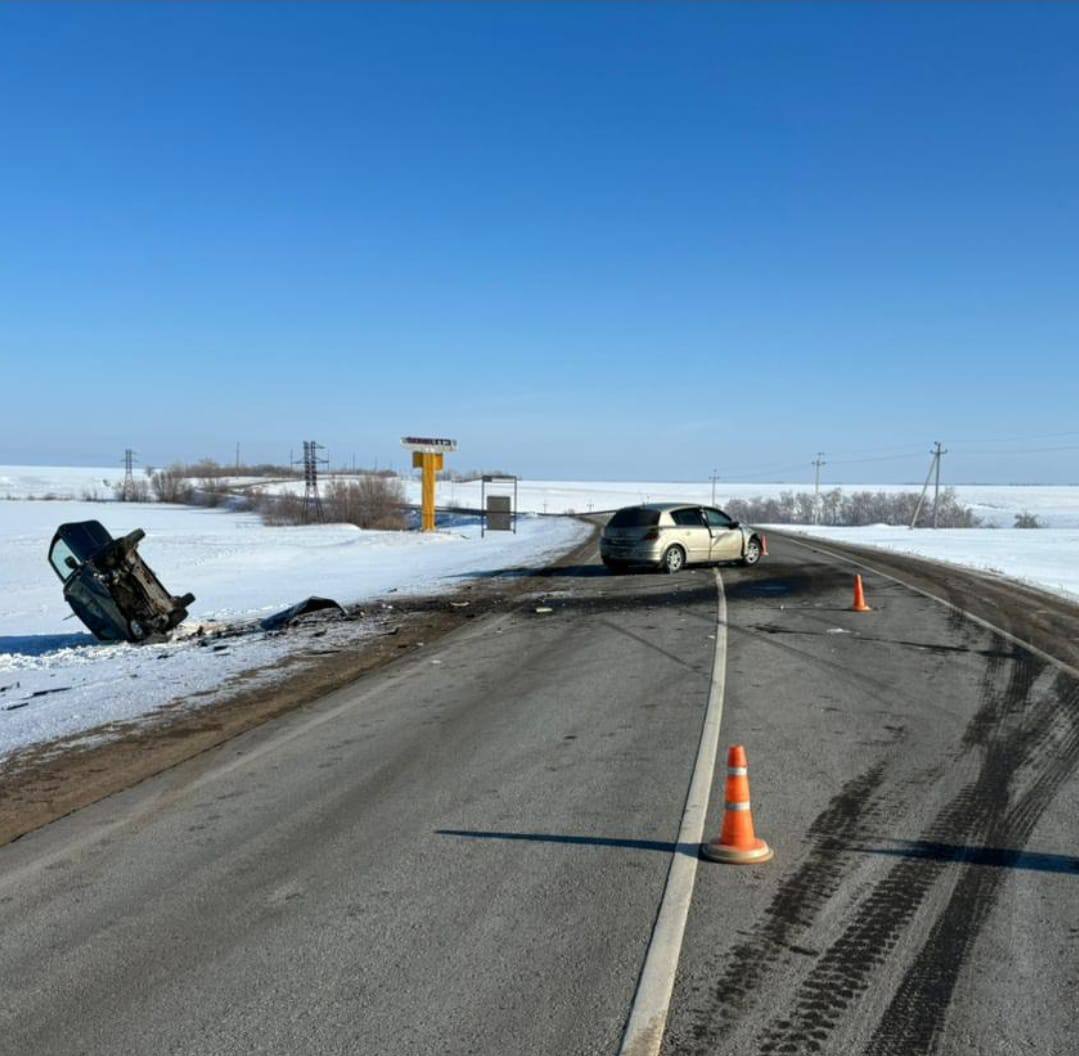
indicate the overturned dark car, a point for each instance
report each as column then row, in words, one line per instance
column 109, row 586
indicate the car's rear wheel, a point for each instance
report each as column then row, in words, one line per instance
column 753, row 552
column 674, row 560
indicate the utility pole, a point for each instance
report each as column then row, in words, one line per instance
column 715, row 477
column 818, row 462
column 934, row 469
column 237, row 455
column 937, row 452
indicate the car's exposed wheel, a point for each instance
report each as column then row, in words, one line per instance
column 138, row 632
column 674, row 559
column 753, row 552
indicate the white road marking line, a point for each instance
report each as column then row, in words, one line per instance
column 648, row 1017
column 1014, row 639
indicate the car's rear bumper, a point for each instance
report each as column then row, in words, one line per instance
column 631, row 553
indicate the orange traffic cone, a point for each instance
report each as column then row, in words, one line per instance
column 764, row 545
column 859, row 597
column 737, row 844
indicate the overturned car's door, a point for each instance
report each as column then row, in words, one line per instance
column 72, row 547
column 109, row 586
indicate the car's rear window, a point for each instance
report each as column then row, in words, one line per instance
column 635, row 517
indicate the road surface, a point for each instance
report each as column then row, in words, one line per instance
column 466, row 852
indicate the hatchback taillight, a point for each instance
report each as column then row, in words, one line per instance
column 651, row 535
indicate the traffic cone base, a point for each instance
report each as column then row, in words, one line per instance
column 737, row 843
column 859, row 597
column 717, row 852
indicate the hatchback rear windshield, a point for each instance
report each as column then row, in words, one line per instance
column 634, row 517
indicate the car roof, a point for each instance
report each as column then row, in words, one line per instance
column 666, row 507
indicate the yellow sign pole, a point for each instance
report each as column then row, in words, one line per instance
column 431, row 464
column 428, row 454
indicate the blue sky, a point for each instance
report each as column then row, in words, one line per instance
column 587, row 240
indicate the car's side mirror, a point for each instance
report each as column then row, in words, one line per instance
column 736, row 524
column 71, row 562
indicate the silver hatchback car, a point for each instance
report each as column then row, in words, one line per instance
column 671, row 535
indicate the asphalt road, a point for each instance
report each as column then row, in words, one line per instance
column 466, row 852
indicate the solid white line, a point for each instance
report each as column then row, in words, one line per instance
column 648, row 1017
column 1014, row 639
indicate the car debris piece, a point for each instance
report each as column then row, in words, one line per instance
column 110, row 587
column 302, row 608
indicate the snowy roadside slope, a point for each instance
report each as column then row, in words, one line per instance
column 56, row 680
column 61, row 482
column 1046, row 558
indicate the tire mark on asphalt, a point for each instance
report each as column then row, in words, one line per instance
column 803, row 894
column 842, row 973
column 915, row 1019
column 793, row 908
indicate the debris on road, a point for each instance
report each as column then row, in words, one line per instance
column 110, row 587
column 287, row 617
column 544, row 609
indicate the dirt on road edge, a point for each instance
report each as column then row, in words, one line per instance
column 49, row 781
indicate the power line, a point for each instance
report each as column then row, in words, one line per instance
column 878, row 458
column 1011, row 439
column 1024, row 450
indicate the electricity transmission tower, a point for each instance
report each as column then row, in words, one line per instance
column 312, row 502
column 818, row 462
column 934, row 472
column 128, row 492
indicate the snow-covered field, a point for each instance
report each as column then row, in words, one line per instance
column 59, row 482
column 1056, row 505
column 55, row 679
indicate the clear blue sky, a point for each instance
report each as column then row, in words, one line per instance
column 587, row 240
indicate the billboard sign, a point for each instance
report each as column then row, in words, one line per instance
column 428, row 445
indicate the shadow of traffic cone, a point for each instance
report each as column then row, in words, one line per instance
column 737, row 843
column 764, row 545
column 859, row 597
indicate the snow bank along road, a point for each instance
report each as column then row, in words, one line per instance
column 466, row 852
